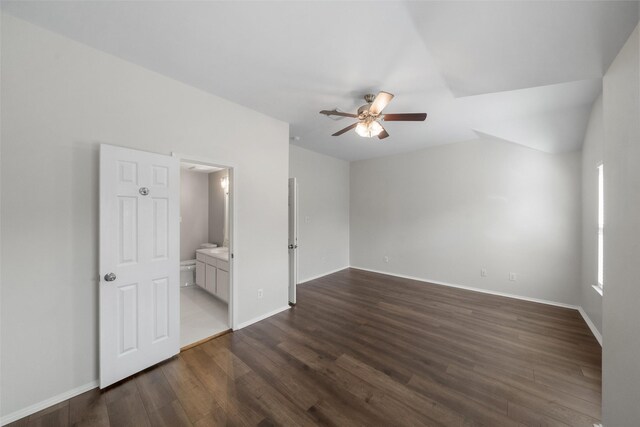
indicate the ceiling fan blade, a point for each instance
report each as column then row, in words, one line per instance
column 347, row 129
column 405, row 117
column 383, row 134
column 380, row 102
column 337, row 113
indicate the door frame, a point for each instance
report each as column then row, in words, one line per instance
column 293, row 240
column 233, row 188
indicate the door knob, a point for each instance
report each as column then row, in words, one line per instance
column 110, row 277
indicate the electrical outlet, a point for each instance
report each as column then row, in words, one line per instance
column 483, row 272
column 386, row 258
column 260, row 293
column 512, row 277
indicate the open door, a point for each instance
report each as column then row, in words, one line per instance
column 139, row 261
column 293, row 239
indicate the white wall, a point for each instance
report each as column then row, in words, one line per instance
column 621, row 313
column 592, row 157
column 216, row 207
column 323, row 212
column 194, row 212
column 445, row 213
column 60, row 99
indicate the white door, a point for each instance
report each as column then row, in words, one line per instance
column 139, row 261
column 293, row 239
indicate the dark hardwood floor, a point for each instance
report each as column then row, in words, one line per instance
column 367, row 349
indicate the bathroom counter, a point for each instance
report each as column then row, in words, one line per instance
column 220, row 253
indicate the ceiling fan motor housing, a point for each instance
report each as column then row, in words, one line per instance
column 363, row 111
column 369, row 98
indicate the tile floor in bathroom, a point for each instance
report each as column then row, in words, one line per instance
column 201, row 315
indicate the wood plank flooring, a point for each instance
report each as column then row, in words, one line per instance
column 366, row 349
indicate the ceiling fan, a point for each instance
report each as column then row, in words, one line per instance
column 370, row 114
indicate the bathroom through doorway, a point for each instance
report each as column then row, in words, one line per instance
column 205, row 251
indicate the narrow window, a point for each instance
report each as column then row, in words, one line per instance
column 600, row 226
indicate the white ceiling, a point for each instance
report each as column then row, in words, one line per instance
column 526, row 72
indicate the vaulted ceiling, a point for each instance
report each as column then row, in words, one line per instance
column 525, row 72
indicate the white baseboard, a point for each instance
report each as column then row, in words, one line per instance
column 470, row 288
column 259, row 318
column 32, row 409
column 596, row 333
column 322, row 275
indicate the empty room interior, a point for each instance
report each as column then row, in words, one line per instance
column 367, row 213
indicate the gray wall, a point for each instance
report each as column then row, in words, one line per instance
column 592, row 157
column 216, row 207
column 194, row 212
column 60, row 99
column 323, row 212
column 445, row 213
column 621, row 347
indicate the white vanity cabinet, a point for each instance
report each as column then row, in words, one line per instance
column 222, row 277
column 212, row 274
column 210, row 279
column 200, row 272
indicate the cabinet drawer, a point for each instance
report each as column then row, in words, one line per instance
column 206, row 259
column 210, row 279
column 200, row 273
column 222, row 264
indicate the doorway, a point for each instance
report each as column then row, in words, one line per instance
column 205, row 241
column 139, row 260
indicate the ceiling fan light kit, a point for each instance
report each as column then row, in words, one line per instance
column 368, row 116
column 370, row 129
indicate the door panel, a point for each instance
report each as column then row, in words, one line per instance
column 127, row 230
column 160, row 228
column 127, row 318
column 200, row 273
column 160, row 176
column 210, row 278
column 127, row 172
column 222, row 284
column 140, row 300
column 161, row 308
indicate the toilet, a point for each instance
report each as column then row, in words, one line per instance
column 188, row 267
